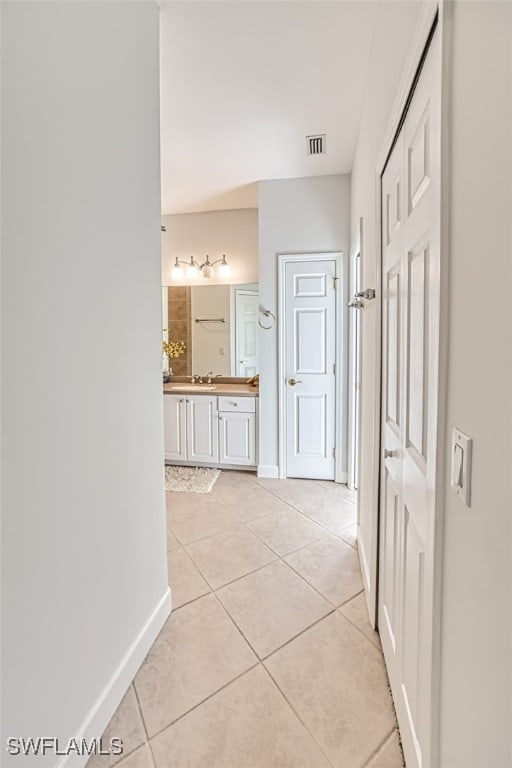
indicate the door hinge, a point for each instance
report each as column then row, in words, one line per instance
column 334, row 368
column 334, row 453
column 335, row 282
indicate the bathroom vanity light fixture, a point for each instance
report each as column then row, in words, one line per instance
column 192, row 269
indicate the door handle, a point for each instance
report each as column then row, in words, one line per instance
column 388, row 454
column 292, row 382
column 368, row 293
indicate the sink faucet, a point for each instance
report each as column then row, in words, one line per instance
column 209, row 377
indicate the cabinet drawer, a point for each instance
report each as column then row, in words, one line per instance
column 237, row 404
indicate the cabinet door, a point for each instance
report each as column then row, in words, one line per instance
column 175, row 443
column 237, row 440
column 202, row 429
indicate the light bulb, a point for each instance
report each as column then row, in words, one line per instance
column 207, row 268
column 192, row 269
column 224, row 268
column 177, row 271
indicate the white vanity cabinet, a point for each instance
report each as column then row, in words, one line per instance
column 206, row 429
column 202, row 429
column 175, row 427
column 237, row 431
column 191, row 429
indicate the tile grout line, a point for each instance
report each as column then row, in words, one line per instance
column 203, row 538
column 293, row 551
column 307, row 517
column 327, row 492
column 126, row 755
column 288, row 504
column 302, row 632
column 359, row 628
column 297, row 715
column 380, row 746
column 140, row 710
column 199, row 703
column 238, row 578
column 278, row 558
column 335, row 607
column 236, row 625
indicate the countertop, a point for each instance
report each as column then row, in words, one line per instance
column 240, row 390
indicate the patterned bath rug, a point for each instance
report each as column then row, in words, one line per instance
column 190, row 479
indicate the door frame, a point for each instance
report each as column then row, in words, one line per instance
column 432, row 11
column 354, row 365
column 340, row 385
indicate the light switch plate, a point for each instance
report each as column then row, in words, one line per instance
column 462, row 449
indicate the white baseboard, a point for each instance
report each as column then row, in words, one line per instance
column 102, row 710
column 269, row 471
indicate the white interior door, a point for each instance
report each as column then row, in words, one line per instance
column 246, row 332
column 410, row 355
column 309, row 347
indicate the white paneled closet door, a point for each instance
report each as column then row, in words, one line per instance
column 410, row 354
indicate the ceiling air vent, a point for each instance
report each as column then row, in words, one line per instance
column 316, row 145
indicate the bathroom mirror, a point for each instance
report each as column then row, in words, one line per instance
column 219, row 325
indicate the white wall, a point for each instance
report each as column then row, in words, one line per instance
column 396, row 21
column 476, row 663
column 295, row 216
column 476, row 642
column 208, row 339
column 83, row 562
column 212, row 233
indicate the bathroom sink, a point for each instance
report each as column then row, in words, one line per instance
column 193, row 387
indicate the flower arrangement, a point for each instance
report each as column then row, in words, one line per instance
column 173, row 349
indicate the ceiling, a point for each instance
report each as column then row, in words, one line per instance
column 243, row 83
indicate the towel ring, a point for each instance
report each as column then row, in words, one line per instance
column 267, row 313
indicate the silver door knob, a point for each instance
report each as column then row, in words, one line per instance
column 293, row 382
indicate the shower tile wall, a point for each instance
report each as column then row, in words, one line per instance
column 180, row 325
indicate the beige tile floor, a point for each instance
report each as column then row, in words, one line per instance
column 268, row 659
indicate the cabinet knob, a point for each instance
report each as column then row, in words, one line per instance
column 182, row 400
column 235, row 404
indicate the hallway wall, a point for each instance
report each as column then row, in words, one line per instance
column 396, row 21
column 83, row 562
column 476, row 661
column 295, row 216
